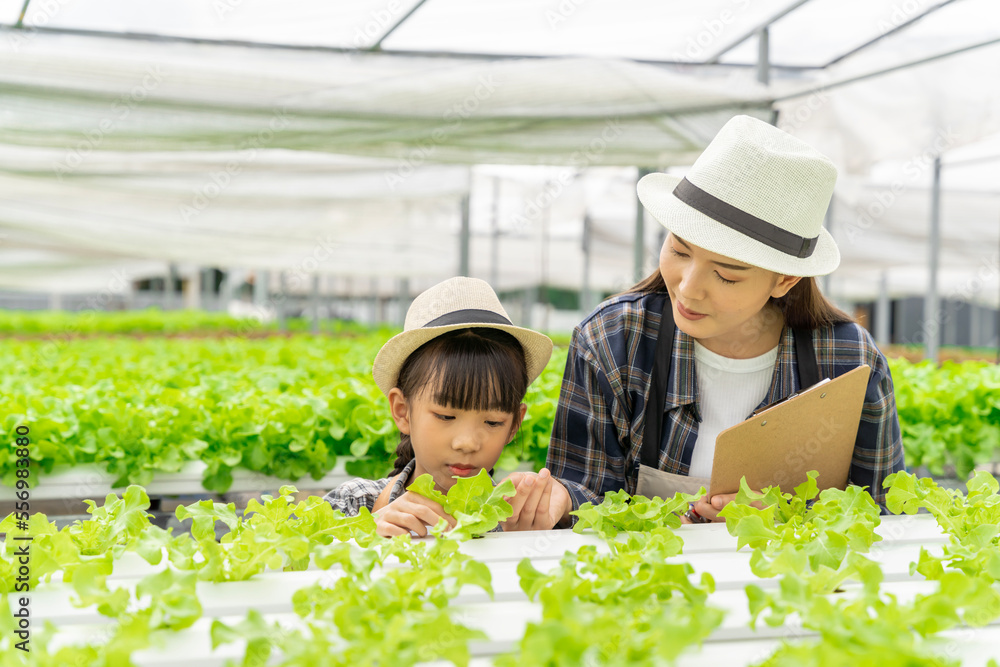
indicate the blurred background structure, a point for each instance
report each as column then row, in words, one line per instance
column 333, row 160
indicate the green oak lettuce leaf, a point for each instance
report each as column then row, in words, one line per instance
column 355, row 562
column 260, row 636
column 901, row 496
column 259, row 546
column 786, row 561
column 204, row 514
column 532, row 580
column 620, row 512
column 360, row 528
column 983, row 486
column 797, row 533
column 173, row 599
column 961, row 516
column 424, row 486
column 850, row 511
column 181, row 549
column 114, row 525
column 622, row 608
column 827, row 550
column 151, row 544
column 91, row 588
column 751, row 526
column 317, row 520
column 52, row 551
column 960, row 598
column 476, row 504
column 275, row 510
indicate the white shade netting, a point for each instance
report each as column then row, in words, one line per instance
column 87, row 93
column 141, row 151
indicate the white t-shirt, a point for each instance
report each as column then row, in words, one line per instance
column 728, row 391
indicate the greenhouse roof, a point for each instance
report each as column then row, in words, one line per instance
column 250, row 133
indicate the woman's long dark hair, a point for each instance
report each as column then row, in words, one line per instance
column 467, row 369
column 804, row 306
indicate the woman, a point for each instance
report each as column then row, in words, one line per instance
column 740, row 321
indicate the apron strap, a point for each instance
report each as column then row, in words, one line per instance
column 805, row 358
column 653, row 431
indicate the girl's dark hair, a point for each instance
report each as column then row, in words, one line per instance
column 466, row 369
column 804, row 306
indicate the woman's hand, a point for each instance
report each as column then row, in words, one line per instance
column 540, row 501
column 709, row 508
column 410, row 512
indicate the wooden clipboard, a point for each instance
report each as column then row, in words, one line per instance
column 812, row 430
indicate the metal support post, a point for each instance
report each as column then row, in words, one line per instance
column 932, row 303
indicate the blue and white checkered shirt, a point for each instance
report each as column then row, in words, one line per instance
column 351, row 496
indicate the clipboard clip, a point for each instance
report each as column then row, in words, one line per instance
column 789, row 397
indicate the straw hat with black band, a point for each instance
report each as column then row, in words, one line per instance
column 456, row 303
column 757, row 195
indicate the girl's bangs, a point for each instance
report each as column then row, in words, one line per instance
column 470, row 381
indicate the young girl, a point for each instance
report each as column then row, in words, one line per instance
column 455, row 379
column 730, row 321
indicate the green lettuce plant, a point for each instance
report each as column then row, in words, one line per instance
column 476, row 504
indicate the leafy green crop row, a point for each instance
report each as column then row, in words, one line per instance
column 284, row 407
column 635, row 604
column 385, row 617
column 950, row 415
column 874, row 627
column 277, row 535
column 152, row 321
column 971, row 521
column 289, row 407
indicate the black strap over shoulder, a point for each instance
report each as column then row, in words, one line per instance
column 653, row 431
column 805, row 358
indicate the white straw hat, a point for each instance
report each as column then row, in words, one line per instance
column 456, row 303
column 757, row 195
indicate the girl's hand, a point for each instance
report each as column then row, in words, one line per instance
column 410, row 512
column 540, row 501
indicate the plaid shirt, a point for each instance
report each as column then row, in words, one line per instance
column 598, row 429
column 350, row 496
